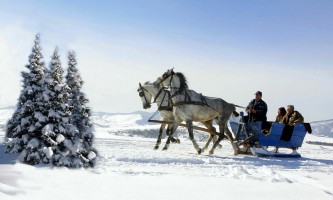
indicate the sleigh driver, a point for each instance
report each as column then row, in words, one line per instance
column 256, row 110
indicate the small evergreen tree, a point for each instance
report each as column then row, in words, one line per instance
column 81, row 126
column 55, row 130
column 24, row 128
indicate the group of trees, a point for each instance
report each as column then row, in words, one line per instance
column 51, row 122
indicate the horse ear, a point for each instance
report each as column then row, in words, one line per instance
column 172, row 69
column 140, row 85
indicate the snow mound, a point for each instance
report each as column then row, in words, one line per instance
column 323, row 128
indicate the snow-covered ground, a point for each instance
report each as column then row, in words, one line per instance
column 129, row 168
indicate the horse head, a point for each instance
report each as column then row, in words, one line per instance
column 165, row 79
column 175, row 80
column 145, row 96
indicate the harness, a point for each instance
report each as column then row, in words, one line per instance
column 187, row 99
column 166, row 94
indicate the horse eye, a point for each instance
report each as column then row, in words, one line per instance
column 165, row 75
column 141, row 94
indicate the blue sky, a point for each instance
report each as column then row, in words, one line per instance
column 227, row 49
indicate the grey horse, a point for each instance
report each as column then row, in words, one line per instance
column 190, row 106
column 162, row 98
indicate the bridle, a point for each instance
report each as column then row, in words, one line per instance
column 165, row 76
column 142, row 91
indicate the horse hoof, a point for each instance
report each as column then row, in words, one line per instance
column 199, row 151
column 178, row 141
column 236, row 152
column 156, row 147
column 165, row 148
column 211, row 152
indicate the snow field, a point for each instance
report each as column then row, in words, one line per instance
column 129, row 168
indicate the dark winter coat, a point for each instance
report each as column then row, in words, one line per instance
column 293, row 118
column 261, row 110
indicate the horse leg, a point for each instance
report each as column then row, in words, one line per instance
column 231, row 139
column 219, row 139
column 210, row 127
column 189, row 124
column 172, row 139
column 221, row 123
column 159, row 138
column 216, row 137
column 173, row 129
column 214, row 140
column 211, row 137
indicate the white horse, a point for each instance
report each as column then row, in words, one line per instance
column 190, row 106
column 161, row 96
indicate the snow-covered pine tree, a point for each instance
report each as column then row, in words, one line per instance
column 24, row 129
column 81, row 126
column 55, row 130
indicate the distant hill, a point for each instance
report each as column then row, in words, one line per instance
column 137, row 123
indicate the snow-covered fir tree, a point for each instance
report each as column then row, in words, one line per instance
column 40, row 128
column 56, row 128
column 25, row 127
column 81, row 126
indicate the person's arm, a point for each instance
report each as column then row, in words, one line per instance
column 249, row 107
column 299, row 118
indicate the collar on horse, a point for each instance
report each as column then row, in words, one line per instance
column 166, row 94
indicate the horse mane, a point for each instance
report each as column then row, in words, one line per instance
column 183, row 82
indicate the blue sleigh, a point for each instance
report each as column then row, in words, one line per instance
column 251, row 138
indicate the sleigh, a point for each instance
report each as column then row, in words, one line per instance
column 267, row 140
column 262, row 140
